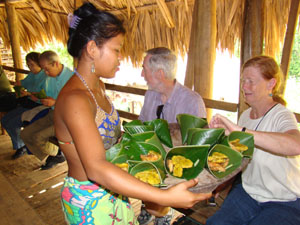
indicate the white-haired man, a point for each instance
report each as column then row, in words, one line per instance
column 165, row 98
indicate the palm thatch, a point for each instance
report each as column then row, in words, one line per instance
column 149, row 23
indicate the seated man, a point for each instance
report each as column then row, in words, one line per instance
column 32, row 83
column 36, row 135
column 165, row 99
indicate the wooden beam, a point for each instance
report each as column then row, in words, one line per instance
column 12, row 22
column 288, row 41
column 252, row 37
column 189, row 74
column 37, row 8
column 204, row 48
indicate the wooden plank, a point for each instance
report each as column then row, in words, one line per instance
column 36, row 177
column 14, row 209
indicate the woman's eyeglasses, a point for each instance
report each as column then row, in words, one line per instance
column 159, row 111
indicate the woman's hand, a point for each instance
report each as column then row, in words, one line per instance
column 180, row 197
column 219, row 121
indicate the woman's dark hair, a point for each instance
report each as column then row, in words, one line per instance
column 91, row 24
column 33, row 56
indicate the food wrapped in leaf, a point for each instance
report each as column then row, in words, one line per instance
column 41, row 94
column 242, row 140
column 186, row 122
column 123, row 166
column 236, row 145
column 188, row 161
column 121, row 162
column 151, row 156
column 136, row 126
column 149, row 173
column 148, row 176
column 151, row 138
column 218, row 162
column 201, row 136
column 222, row 160
column 161, row 128
column 177, row 163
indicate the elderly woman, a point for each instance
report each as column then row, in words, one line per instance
column 270, row 188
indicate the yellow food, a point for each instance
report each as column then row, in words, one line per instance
column 236, row 145
column 123, row 166
column 148, row 176
column 218, row 162
column 151, row 156
column 177, row 163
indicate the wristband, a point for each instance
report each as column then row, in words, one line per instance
column 244, row 129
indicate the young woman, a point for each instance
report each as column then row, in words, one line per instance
column 87, row 123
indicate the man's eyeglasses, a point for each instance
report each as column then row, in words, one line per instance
column 159, row 111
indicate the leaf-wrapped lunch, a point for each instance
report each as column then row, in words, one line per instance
column 186, row 122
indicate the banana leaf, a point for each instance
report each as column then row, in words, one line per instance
column 134, row 129
column 113, row 152
column 151, row 138
column 161, row 128
column 200, row 136
column 144, row 166
column 132, row 123
column 41, row 94
column 186, row 122
column 235, row 160
column 245, row 139
column 134, row 150
column 126, row 137
column 197, row 154
column 18, row 90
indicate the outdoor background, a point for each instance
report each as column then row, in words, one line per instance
column 226, row 78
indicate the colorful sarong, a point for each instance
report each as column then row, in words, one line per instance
column 87, row 203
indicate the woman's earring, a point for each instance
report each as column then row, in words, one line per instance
column 270, row 94
column 93, row 68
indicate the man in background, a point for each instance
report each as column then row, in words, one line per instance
column 36, row 135
column 164, row 99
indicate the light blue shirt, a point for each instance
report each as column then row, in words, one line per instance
column 53, row 85
column 34, row 82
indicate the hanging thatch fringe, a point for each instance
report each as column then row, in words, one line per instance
column 149, row 23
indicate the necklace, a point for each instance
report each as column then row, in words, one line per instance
column 265, row 116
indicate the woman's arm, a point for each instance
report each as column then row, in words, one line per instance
column 287, row 143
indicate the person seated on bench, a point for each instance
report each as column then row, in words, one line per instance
column 164, row 99
column 36, row 135
column 33, row 82
column 269, row 192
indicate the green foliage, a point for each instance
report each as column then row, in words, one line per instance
column 61, row 50
column 294, row 68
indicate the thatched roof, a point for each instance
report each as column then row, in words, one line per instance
column 149, row 23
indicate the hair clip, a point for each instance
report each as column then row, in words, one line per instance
column 73, row 21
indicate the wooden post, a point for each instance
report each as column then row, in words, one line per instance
column 12, row 22
column 203, row 48
column 189, row 74
column 288, row 41
column 252, row 37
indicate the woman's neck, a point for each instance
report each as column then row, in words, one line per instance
column 261, row 109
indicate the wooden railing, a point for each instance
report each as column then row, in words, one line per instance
column 209, row 103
